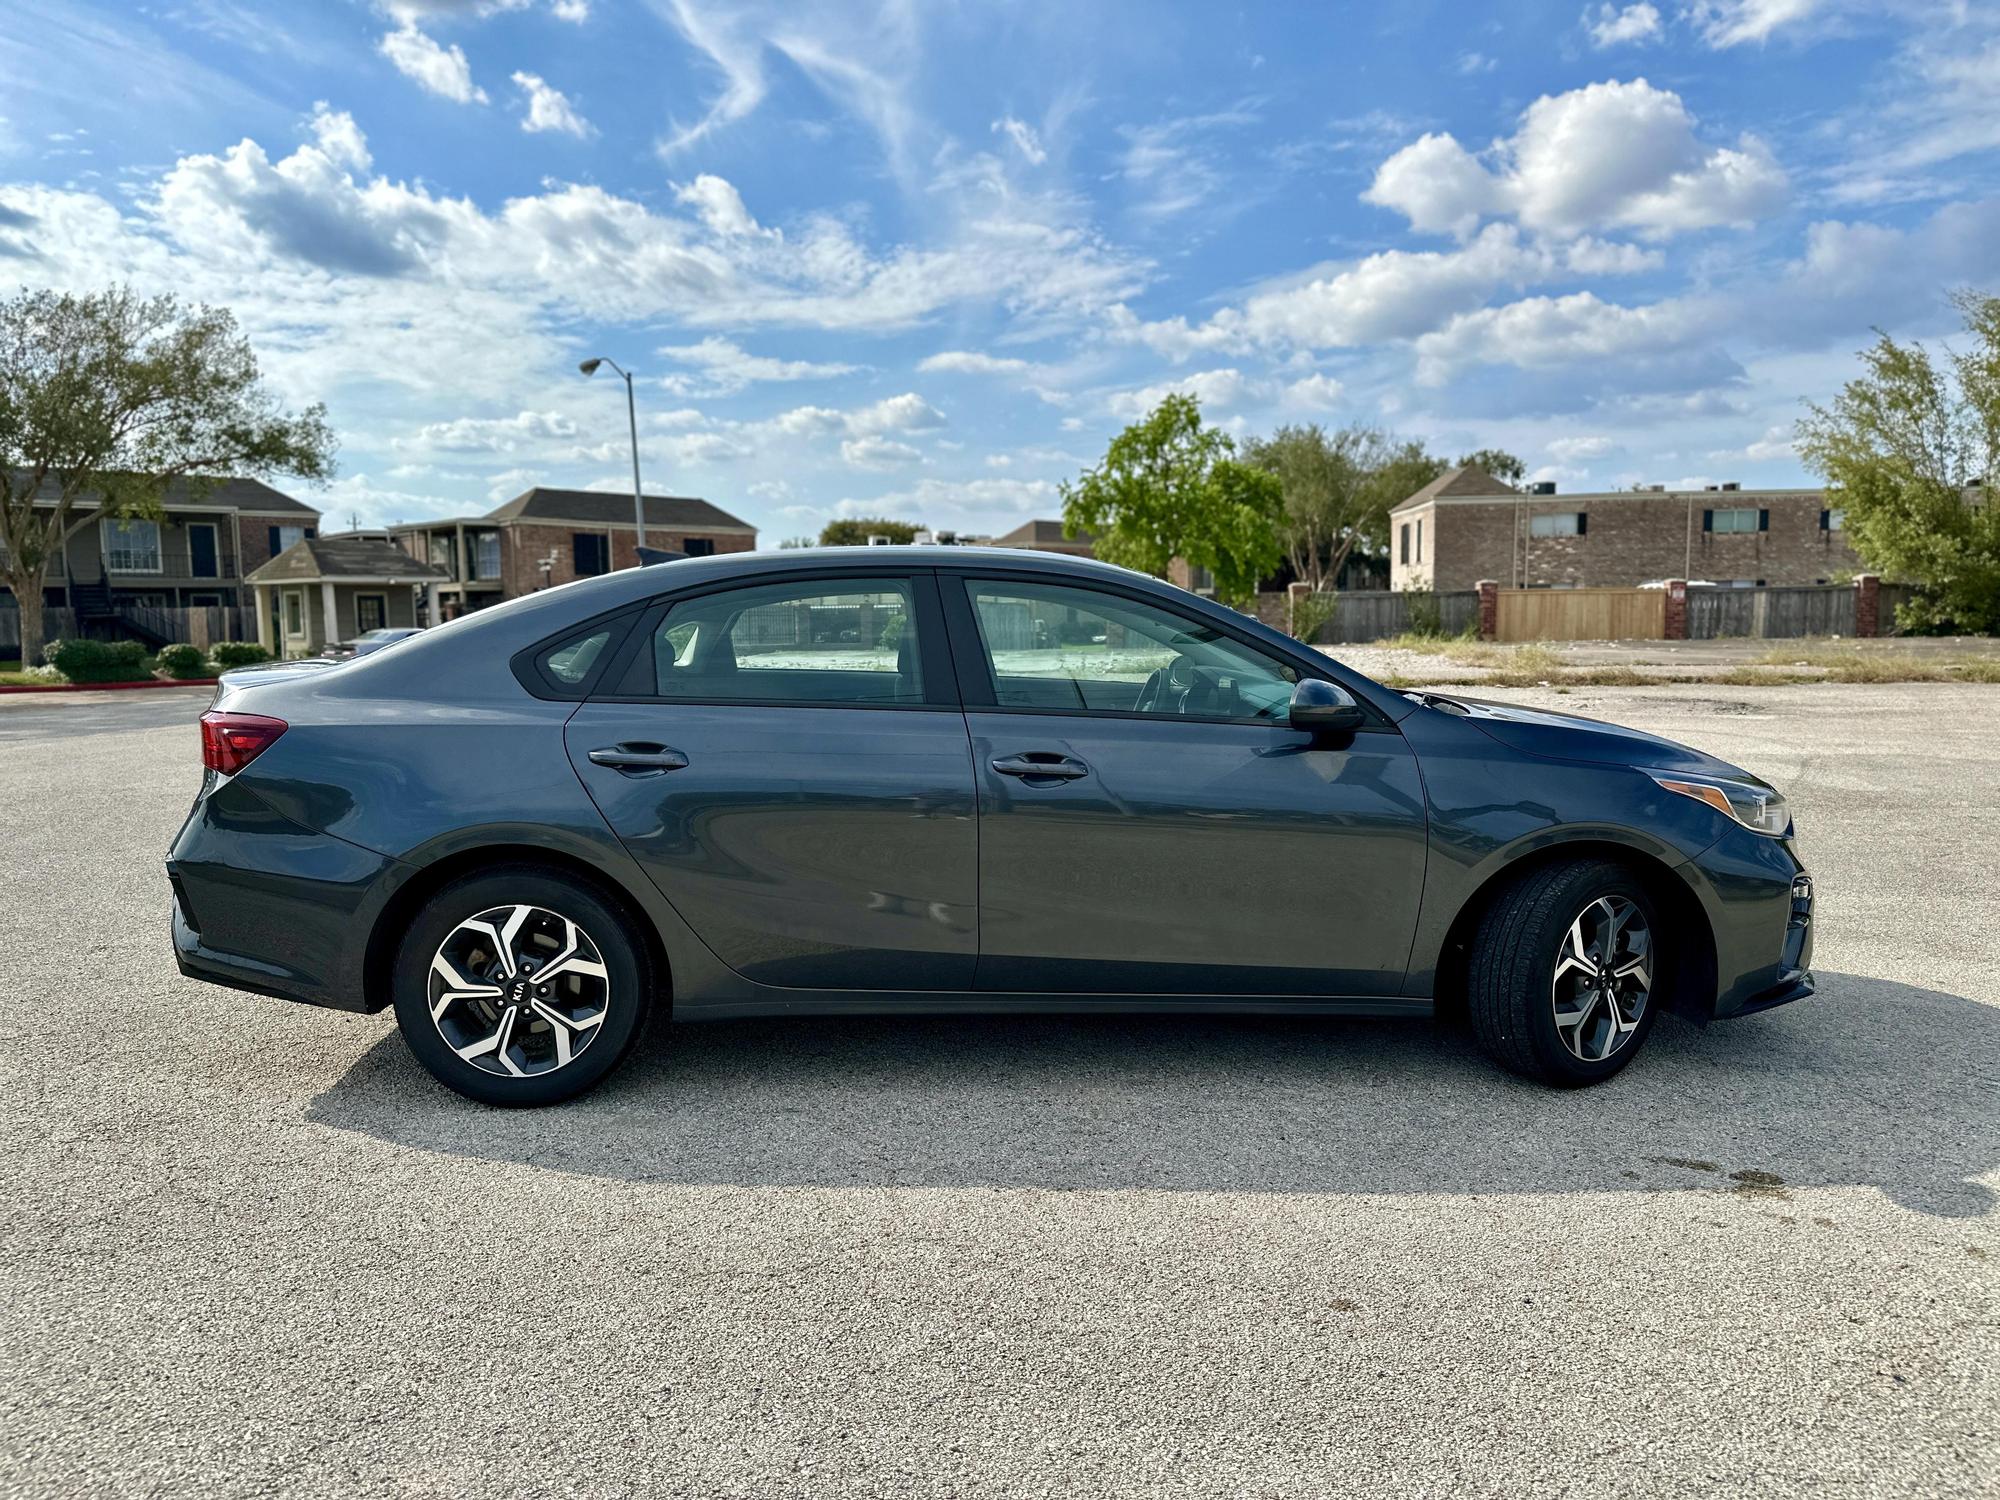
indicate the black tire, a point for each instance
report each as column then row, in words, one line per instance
column 595, row 1048
column 1511, row 972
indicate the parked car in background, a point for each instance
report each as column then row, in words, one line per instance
column 370, row 641
column 922, row 780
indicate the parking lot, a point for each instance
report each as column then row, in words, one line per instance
column 251, row 1249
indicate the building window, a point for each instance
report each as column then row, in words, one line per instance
column 698, row 546
column 1403, row 544
column 131, row 546
column 282, row 537
column 443, row 553
column 486, row 554
column 590, row 553
column 1735, row 521
column 1833, row 520
column 1564, row 523
column 295, row 613
column 371, row 612
column 1420, row 541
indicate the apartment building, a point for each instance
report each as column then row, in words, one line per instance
column 1466, row 526
column 544, row 536
column 210, row 536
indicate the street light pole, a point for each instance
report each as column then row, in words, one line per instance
column 589, row 367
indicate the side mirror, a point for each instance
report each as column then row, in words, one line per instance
column 1321, row 705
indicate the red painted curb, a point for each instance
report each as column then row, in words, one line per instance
column 113, row 687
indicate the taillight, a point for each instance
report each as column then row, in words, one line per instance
column 229, row 742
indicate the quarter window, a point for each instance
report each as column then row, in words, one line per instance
column 1070, row 649
column 821, row 642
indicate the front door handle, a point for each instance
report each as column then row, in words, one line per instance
column 638, row 760
column 1041, row 763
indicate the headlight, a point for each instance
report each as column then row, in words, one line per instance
column 1758, row 808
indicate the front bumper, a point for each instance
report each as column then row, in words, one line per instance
column 1759, row 902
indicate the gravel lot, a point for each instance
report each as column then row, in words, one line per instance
column 250, row 1249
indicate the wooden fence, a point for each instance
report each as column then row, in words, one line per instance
column 1581, row 615
column 1376, row 614
column 1771, row 613
column 56, row 623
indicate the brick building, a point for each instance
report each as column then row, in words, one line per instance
column 543, row 537
column 1466, row 525
column 1047, row 536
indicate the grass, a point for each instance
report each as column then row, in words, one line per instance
column 1538, row 664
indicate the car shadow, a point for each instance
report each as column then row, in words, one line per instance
column 1870, row 1083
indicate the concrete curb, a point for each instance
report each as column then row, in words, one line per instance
column 112, row 687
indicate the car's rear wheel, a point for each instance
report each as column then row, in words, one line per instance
column 520, row 986
column 1562, row 980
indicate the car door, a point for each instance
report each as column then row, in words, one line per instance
column 787, row 760
column 1148, row 821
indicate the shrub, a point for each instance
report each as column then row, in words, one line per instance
column 226, row 654
column 97, row 661
column 183, row 661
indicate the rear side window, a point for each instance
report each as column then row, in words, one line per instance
column 811, row 641
column 567, row 666
column 572, row 661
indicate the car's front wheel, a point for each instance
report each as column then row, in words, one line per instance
column 1561, row 978
column 521, row 986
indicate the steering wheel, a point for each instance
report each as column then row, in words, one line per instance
column 1149, row 694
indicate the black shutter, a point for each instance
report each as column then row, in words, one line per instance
column 1824, row 517
column 309, row 533
column 1708, row 520
column 274, row 541
column 1763, row 520
column 582, row 554
column 1582, row 523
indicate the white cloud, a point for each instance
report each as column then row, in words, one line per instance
column 1612, row 27
column 1314, row 393
column 720, row 206
column 1546, row 332
column 1608, row 155
column 878, row 453
column 1776, row 443
column 908, row 412
column 1577, row 450
column 490, row 434
column 971, row 362
column 577, row 11
column 1216, row 390
column 1024, row 138
column 549, row 109
column 1469, row 64
column 1731, row 23
column 725, row 368
column 707, row 448
column 340, row 138
column 440, row 70
column 1172, row 166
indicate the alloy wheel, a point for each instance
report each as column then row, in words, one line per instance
column 518, row 991
column 1603, row 978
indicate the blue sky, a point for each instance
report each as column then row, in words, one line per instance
column 925, row 260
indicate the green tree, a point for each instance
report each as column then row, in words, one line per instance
column 1170, row 487
column 1901, row 449
column 1334, row 500
column 1496, row 461
column 116, row 396
column 856, row 533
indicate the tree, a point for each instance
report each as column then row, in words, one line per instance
column 1495, row 461
column 118, row 396
column 1170, row 487
column 1901, row 449
column 856, row 533
column 1334, row 501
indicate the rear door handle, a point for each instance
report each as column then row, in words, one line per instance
column 1041, row 763
column 638, row 760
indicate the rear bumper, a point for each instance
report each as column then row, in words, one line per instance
column 265, row 905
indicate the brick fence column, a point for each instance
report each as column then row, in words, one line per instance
column 1867, row 604
column 1489, row 609
column 1677, row 609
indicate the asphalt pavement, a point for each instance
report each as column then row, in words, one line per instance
column 251, row 1249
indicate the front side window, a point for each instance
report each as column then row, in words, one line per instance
column 1056, row 648
column 850, row 641
column 132, row 546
